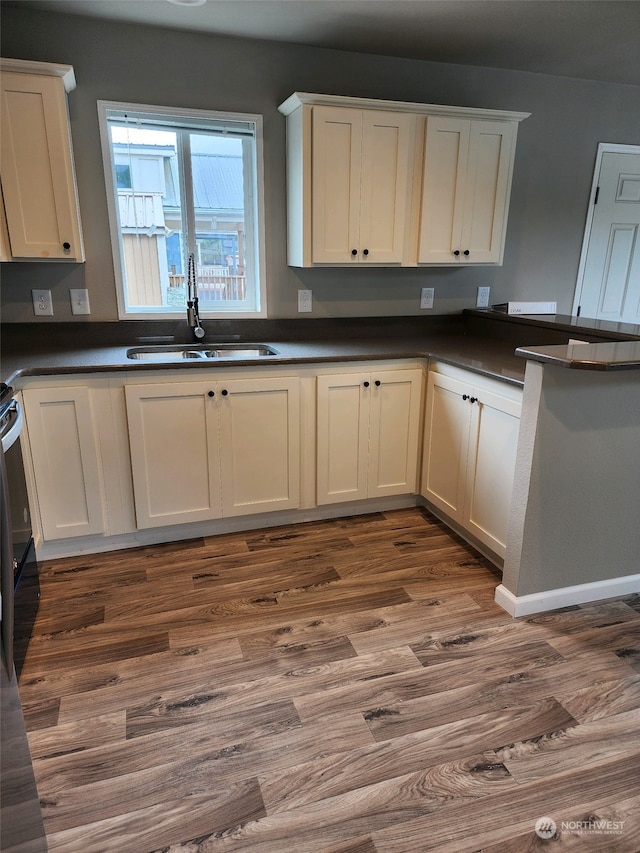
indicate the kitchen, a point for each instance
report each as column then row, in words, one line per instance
column 549, row 194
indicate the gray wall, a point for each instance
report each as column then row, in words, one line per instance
column 574, row 509
column 554, row 159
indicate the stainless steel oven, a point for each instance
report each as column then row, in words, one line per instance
column 19, row 570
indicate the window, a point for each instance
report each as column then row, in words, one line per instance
column 182, row 182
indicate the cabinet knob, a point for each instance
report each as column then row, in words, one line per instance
column 465, row 396
column 354, row 252
column 366, row 384
column 457, row 252
column 365, row 252
column 66, row 247
column 473, row 399
column 224, row 392
column 212, row 393
column 467, row 252
column 377, row 383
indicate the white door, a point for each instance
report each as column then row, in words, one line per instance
column 173, row 435
column 64, row 451
column 394, row 429
column 386, row 143
column 343, row 437
column 493, row 441
column 488, row 178
column 443, row 190
column 446, row 430
column 336, row 163
column 259, row 444
column 609, row 282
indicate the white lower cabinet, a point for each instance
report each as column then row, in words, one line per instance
column 259, row 445
column 212, row 448
column 368, row 434
column 64, row 453
column 471, row 437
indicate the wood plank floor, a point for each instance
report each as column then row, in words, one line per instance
column 346, row 686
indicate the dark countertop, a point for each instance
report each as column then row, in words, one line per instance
column 485, row 342
column 615, row 355
column 474, row 353
column 588, row 344
column 577, row 326
column 102, row 347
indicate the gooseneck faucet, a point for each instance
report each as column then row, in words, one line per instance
column 193, row 317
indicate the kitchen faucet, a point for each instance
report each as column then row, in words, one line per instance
column 193, row 317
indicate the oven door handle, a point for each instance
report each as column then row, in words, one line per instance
column 11, row 435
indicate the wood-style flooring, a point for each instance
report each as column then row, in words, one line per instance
column 345, row 686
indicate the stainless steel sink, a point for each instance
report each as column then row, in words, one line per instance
column 239, row 351
column 170, row 353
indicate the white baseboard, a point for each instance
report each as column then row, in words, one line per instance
column 552, row 599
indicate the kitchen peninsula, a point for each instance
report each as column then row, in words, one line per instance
column 572, row 532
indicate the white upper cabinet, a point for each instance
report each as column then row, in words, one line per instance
column 465, row 190
column 359, row 175
column 36, row 163
column 359, row 190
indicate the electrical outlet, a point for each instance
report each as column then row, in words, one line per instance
column 426, row 297
column 42, row 304
column 482, row 299
column 305, row 301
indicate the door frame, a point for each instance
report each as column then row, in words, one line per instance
column 603, row 148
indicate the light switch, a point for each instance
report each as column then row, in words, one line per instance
column 482, row 299
column 426, row 297
column 80, row 301
column 305, row 301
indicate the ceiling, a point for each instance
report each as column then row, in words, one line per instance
column 590, row 39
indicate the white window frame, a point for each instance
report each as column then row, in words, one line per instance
column 258, row 261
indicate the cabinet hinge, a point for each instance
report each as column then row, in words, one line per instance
column 595, row 198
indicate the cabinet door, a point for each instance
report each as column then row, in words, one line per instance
column 394, row 431
column 336, row 164
column 446, row 444
column 386, row 145
column 343, row 437
column 487, row 191
column 64, row 453
column 173, row 435
column 38, row 180
column 259, row 444
column 493, row 441
column 443, row 190
column 465, row 194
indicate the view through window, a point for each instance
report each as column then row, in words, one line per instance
column 183, row 183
